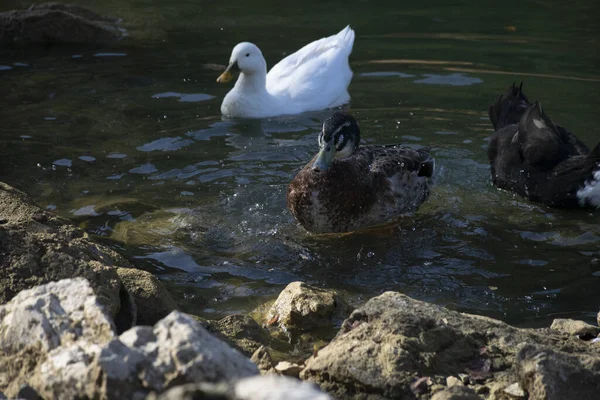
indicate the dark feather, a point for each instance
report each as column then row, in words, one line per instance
column 508, row 108
column 364, row 189
column 540, row 160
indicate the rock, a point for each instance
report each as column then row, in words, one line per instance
column 301, row 307
column 39, row 320
column 515, row 390
column 263, row 360
column 573, row 327
column 546, row 374
column 151, row 226
column 456, row 393
column 255, row 388
column 421, row 385
column 38, row 247
column 464, row 378
column 274, row 387
column 195, row 391
column 385, row 344
column 151, row 298
column 598, row 318
column 241, row 332
column 54, row 23
column 288, row 369
column 453, row 381
column 176, row 351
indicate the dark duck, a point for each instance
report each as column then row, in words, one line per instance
column 539, row 160
column 346, row 186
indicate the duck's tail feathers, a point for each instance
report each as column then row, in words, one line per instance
column 589, row 194
column 508, row 107
column 346, row 38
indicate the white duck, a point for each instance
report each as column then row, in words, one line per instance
column 314, row 78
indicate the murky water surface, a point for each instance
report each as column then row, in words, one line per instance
column 128, row 141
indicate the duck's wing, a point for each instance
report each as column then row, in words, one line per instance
column 392, row 159
column 542, row 144
column 509, row 107
column 319, row 72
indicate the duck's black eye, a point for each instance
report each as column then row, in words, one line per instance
column 247, row 54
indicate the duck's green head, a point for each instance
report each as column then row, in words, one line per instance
column 338, row 139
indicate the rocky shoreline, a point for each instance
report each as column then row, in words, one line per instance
column 78, row 321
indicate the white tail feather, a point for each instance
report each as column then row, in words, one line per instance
column 591, row 191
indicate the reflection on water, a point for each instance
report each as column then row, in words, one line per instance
column 191, row 97
column 129, row 143
column 452, row 80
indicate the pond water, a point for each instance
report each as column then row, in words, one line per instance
column 128, row 142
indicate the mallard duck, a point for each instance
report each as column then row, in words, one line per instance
column 539, row 160
column 346, row 186
column 314, row 78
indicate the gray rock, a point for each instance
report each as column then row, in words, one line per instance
column 240, row 331
column 272, row 387
column 301, row 307
column 263, row 360
column 574, row 327
column 37, row 321
column 456, row 393
column 54, row 23
column 547, row 374
column 195, row 391
column 38, row 247
column 515, row 390
column 176, row 351
column 453, row 381
column 255, row 388
column 288, row 369
column 392, row 339
column 152, row 300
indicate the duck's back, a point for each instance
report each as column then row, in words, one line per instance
column 402, row 177
column 316, row 76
